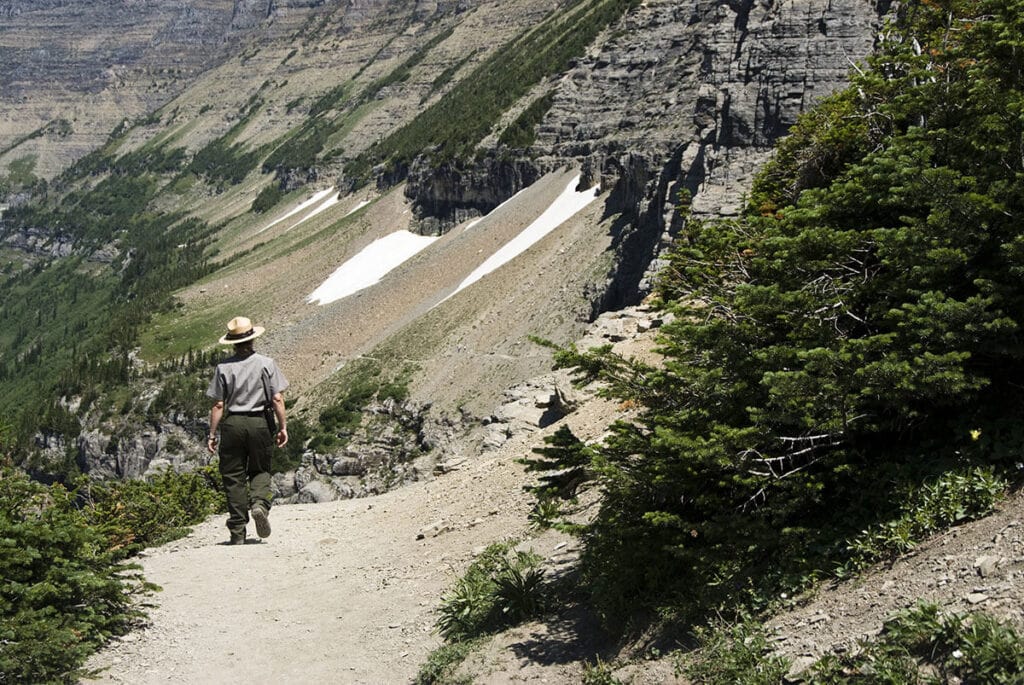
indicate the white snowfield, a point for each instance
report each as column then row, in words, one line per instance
column 362, row 203
column 369, row 266
column 383, row 255
column 317, row 197
column 326, row 204
column 561, row 210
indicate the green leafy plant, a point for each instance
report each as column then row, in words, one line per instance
column 735, row 653
column 952, row 499
column 599, row 673
column 501, row 587
column 922, row 641
column 442, row 663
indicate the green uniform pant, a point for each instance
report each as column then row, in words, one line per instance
column 245, row 449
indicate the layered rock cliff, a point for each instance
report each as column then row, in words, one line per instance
column 93, row 65
column 676, row 96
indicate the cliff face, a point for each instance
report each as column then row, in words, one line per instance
column 93, row 65
column 693, row 95
column 676, row 96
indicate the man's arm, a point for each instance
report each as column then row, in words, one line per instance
column 216, row 413
column 282, row 422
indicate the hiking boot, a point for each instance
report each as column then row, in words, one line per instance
column 237, row 539
column 259, row 515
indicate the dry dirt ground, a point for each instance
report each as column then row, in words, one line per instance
column 347, row 592
column 343, row 592
column 974, row 567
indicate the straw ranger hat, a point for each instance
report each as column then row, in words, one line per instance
column 241, row 330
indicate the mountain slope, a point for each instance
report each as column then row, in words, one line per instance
column 75, row 71
column 306, row 97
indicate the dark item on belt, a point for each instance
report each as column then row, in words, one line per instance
column 268, row 408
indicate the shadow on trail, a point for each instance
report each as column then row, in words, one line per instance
column 573, row 635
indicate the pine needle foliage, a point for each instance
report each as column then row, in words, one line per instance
column 855, row 333
column 563, row 466
column 562, row 463
column 65, row 587
column 62, row 593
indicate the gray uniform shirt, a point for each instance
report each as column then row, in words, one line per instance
column 238, row 381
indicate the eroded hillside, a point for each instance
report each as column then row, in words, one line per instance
column 303, row 133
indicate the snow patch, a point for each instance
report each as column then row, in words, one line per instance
column 327, row 204
column 357, row 207
column 369, row 266
column 317, row 197
column 561, row 210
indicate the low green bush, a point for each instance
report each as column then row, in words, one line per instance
column 735, row 653
column 364, row 381
column 599, row 673
column 65, row 588
column 924, row 645
column 500, row 588
column 954, row 497
column 442, row 663
column 135, row 514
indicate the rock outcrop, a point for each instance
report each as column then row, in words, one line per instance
column 674, row 97
column 450, row 193
column 385, row 451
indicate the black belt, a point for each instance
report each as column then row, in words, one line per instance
column 256, row 412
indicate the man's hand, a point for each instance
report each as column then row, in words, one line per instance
column 282, row 437
column 211, row 444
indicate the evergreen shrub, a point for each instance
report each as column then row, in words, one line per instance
column 65, row 587
column 63, row 593
column 854, row 334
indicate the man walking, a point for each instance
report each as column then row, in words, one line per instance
column 242, row 386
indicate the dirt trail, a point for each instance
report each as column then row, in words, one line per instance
column 343, row 592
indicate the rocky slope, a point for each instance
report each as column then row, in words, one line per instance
column 89, row 66
column 347, row 591
column 666, row 99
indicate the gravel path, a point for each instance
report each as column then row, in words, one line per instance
column 343, row 592
column 340, row 592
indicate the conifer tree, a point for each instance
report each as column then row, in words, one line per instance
column 855, row 331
